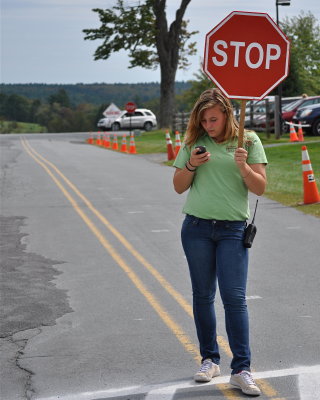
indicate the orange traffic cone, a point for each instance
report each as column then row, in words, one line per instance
column 171, row 155
column 124, row 144
column 132, row 147
column 107, row 141
column 115, row 142
column 310, row 190
column 99, row 142
column 178, row 143
column 90, row 139
column 300, row 133
column 293, row 134
column 103, row 140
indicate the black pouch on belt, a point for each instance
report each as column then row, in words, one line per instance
column 250, row 231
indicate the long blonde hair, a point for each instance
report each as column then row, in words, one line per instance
column 211, row 98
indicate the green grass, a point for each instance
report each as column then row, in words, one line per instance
column 284, row 169
column 284, row 138
column 20, row 127
column 152, row 142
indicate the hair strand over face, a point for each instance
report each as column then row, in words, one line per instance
column 211, row 98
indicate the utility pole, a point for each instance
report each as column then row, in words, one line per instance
column 278, row 111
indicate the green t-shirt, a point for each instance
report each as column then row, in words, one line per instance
column 218, row 191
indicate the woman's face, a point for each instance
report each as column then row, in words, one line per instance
column 213, row 121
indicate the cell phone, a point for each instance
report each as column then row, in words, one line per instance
column 201, row 149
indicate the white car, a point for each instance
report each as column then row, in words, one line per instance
column 105, row 123
column 140, row 119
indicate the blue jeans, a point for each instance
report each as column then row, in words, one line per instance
column 215, row 252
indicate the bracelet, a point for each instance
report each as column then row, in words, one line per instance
column 191, row 170
column 244, row 177
column 193, row 166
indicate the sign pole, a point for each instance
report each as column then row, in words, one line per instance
column 241, row 122
column 130, row 108
column 130, row 124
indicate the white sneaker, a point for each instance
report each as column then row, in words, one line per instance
column 245, row 382
column 207, row 371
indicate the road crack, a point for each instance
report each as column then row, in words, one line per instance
column 30, row 301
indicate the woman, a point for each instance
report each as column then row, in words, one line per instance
column 212, row 233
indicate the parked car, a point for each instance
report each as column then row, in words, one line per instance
column 258, row 120
column 309, row 116
column 257, row 108
column 105, row 124
column 140, row 119
column 289, row 111
column 289, row 108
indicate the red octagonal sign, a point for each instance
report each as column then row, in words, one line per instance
column 246, row 55
column 131, row 107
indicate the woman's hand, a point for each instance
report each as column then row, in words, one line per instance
column 183, row 177
column 240, row 157
column 198, row 159
column 253, row 175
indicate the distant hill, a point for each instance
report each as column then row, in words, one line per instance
column 95, row 93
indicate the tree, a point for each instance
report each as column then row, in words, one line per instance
column 3, row 102
column 16, row 108
column 143, row 31
column 187, row 99
column 61, row 97
column 34, row 107
column 304, row 33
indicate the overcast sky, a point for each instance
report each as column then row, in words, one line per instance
column 42, row 40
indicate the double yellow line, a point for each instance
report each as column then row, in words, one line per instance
column 182, row 337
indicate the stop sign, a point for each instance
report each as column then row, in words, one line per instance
column 130, row 107
column 246, row 55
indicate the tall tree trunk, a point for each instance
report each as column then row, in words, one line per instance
column 167, row 94
column 167, row 42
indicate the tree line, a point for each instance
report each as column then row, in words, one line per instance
column 55, row 115
column 94, row 93
column 72, row 108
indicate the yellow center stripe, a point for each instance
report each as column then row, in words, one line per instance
column 164, row 315
column 163, row 282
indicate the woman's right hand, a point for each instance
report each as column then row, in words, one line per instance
column 198, row 159
column 183, row 177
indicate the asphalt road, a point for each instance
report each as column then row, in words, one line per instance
column 96, row 297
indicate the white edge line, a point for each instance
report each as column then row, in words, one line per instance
column 167, row 389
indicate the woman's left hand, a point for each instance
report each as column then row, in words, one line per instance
column 240, row 157
column 253, row 175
